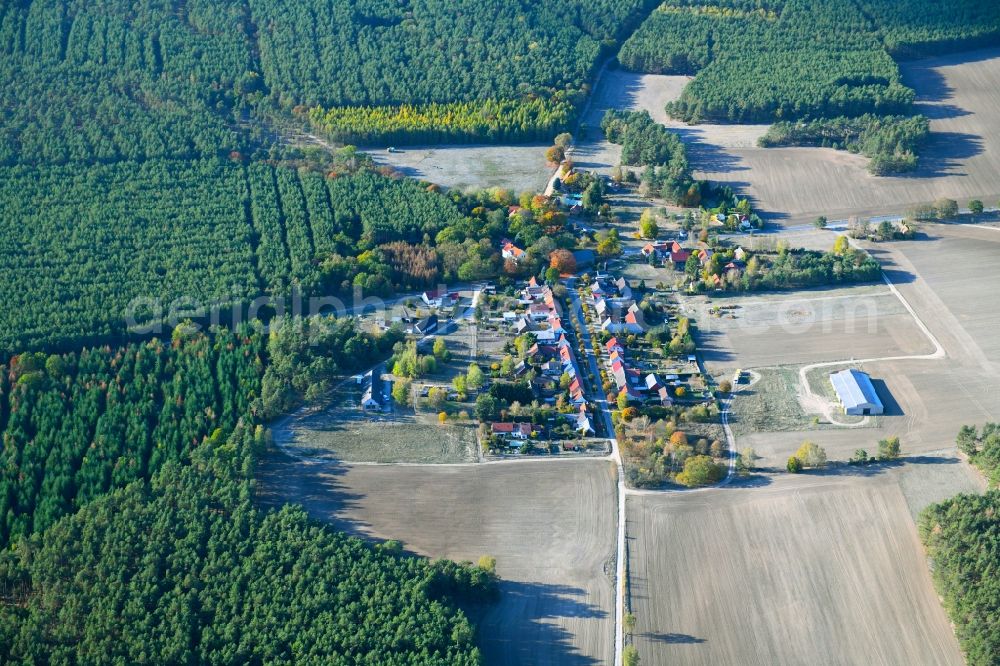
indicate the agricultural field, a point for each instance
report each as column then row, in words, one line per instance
column 810, row 569
column 557, row 603
column 961, row 96
column 810, row 326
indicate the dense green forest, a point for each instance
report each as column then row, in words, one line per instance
column 891, row 142
column 649, row 144
column 127, row 497
column 185, row 569
column 790, row 59
column 962, row 536
column 76, row 425
column 78, row 246
column 112, row 80
column 361, row 53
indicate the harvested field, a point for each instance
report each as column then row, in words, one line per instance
column 959, row 93
column 551, row 526
column 804, row 327
column 959, row 264
column 805, row 571
column 619, row 89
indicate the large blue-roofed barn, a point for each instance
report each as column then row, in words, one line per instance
column 856, row 393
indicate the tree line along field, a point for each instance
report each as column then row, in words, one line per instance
column 790, row 59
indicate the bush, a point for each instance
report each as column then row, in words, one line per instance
column 700, row 471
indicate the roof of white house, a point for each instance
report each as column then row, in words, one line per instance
column 854, row 388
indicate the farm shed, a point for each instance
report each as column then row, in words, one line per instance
column 856, row 393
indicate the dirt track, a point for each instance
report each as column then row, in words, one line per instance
column 551, row 526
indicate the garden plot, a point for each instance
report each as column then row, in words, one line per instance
column 344, row 431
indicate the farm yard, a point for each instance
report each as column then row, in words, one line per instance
column 816, row 570
column 550, row 525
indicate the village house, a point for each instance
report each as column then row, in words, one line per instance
column 511, row 251
column 507, row 430
column 372, row 389
column 439, row 298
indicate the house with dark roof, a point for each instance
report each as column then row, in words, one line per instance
column 372, row 389
column 427, row 325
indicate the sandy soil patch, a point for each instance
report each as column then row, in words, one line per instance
column 805, row 571
column 471, row 167
column 551, row 526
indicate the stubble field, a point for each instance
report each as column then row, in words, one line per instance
column 961, row 96
column 809, row 326
column 806, row 571
column 550, row 525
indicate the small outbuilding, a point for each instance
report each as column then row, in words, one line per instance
column 856, row 393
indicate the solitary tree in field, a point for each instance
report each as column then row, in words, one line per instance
column 841, row 245
column 976, row 207
column 946, row 208
column 564, row 140
column 820, row 222
column 474, row 378
column 811, row 455
column 647, row 225
column 888, row 449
